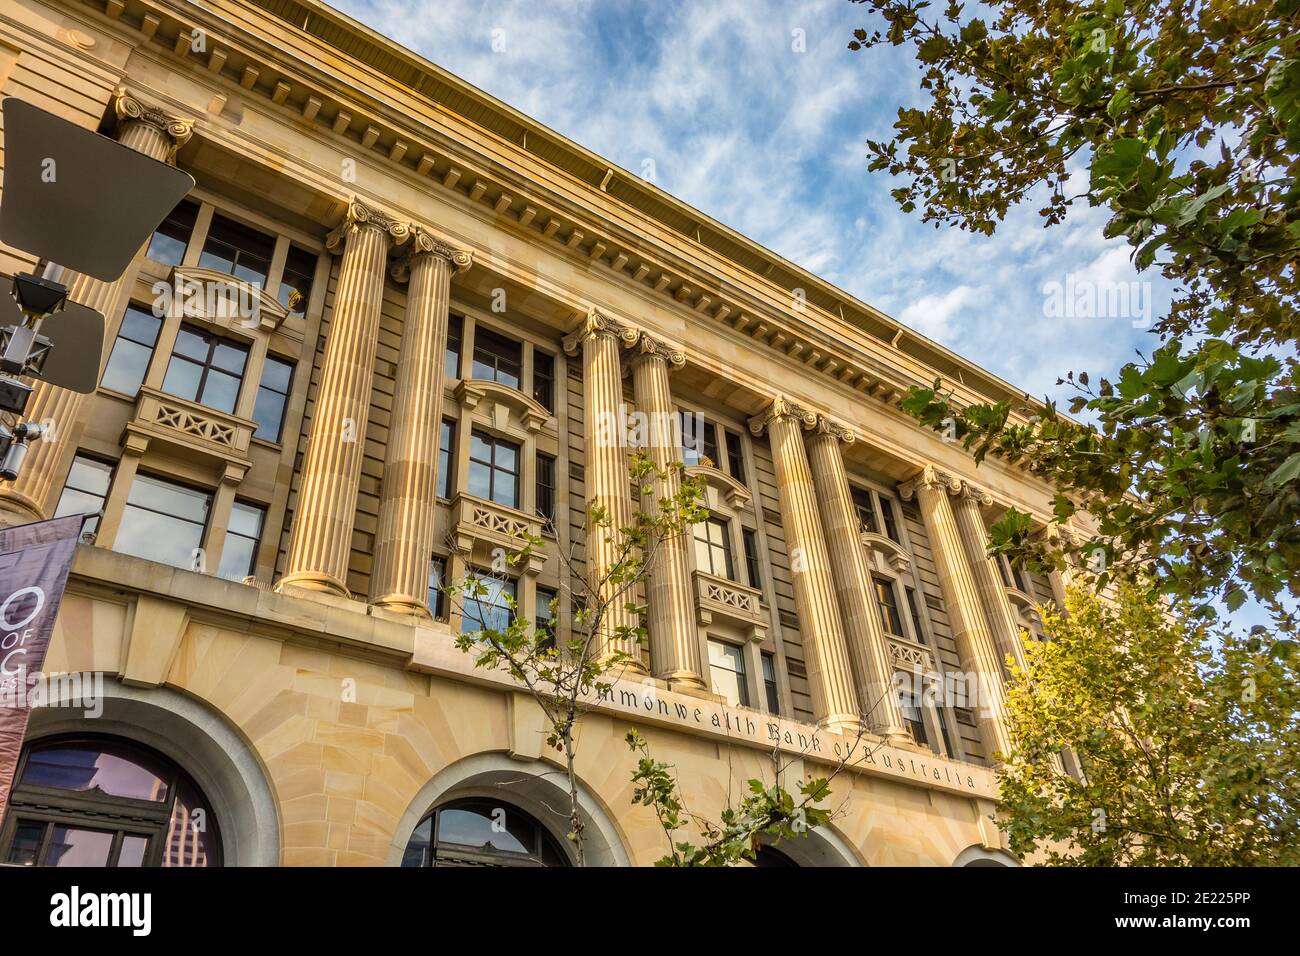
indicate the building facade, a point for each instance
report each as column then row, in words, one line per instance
column 396, row 327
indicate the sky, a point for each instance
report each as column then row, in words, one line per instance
column 757, row 113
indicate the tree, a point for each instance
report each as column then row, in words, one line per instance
column 1187, row 737
column 1186, row 115
column 563, row 678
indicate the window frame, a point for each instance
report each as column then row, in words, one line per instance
column 284, row 406
column 496, row 442
column 742, row 675
column 484, row 333
column 257, row 541
column 213, row 341
column 87, row 527
column 167, row 480
column 723, row 527
column 151, row 348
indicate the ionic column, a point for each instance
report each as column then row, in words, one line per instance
column 993, row 593
column 830, row 672
column 674, row 641
column 404, row 540
column 1060, row 579
column 327, row 496
column 976, row 648
column 608, row 483
column 33, row 496
column 867, row 644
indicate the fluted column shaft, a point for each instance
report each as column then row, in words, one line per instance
column 993, row 593
column 600, row 339
column 327, row 497
column 830, row 673
column 34, row 494
column 976, row 647
column 404, row 541
column 854, row 588
column 674, row 642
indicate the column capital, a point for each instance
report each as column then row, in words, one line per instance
column 973, row 492
column 360, row 216
column 930, row 479
column 426, row 242
column 825, row 426
column 648, row 346
column 596, row 323
column 129, row 108
column 783, row 409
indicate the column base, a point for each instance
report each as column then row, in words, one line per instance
column 314, row 581
column 847, row 724
column 16, row 509
column 683, row 680
column 404, row 604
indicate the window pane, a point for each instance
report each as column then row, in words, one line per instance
column 171, row 237
column 887, row 512
column 182, row 378
column 299, row 270
column 505, row 489
column 163, row 522
column 85, row 490
column 455, row 328
column 229, row 357
column 727, row 669
column 268, row 412
column 26, row 843
column 480, row 480
column 127, row 365
column 276, row 374
column 132, row 851
column 220, row 391
column 81, row 767
column 191, row 344
column 544, row 379
column 75, row 846
column 246, row 519
column 436, row 598
column 237, row 249
column 474, row 828
column 446, row 439
column 735, row 457
column 418, row 848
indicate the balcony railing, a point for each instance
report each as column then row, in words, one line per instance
column 908, row 655
column 479, row 527
column 731, row 603
column 190, row 429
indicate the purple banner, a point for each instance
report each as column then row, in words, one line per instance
column 34, row 564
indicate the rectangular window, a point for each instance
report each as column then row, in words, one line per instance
column 85, row 490
column 173, row 235
column 164, row 521
column 455, row 336
column 713, row 549
column 295, row 283
column 546, row 486
column 206, row 369
column 238, row 250
column 752, row 566
column 497, row 358
column 914, row 609
column 866, row 510
column 727, row 670
column 243, row 534
column 437, row 599
column 544, row 379
column 491, row 610
column 943, row 730
column 272, row 397
column 769, row 683
column 735, row 457
column 888, row 601
column 446, row 441
column 129, row 361
column 912, row 715
column 699, row 440
column 544, row 621
column 887, row 513
column 494, row 469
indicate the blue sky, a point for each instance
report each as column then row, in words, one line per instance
column 756, row 113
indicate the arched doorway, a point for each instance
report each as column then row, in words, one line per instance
column 98, row 800
column 980, row 856
column 481, row 832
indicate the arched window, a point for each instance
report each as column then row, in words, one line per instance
column 105, row 801
column 770, row 856
column 479, row 832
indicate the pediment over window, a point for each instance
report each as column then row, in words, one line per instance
column 504, row 404
column 224, row 300
column 886, row 553
column 718, row 485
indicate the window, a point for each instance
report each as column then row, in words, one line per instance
column 205, row 369
column 85, row 490
column 173, row 235
column 478, row 832
column 437, row 598
column 544, row 620
column 494, row 469
column 866, row 510
column 243, row 534
column 491, row 610
column 497, row 358
column 887, row 512
column 295, row 283
column 914, row 718
column 455, row 334
column 888, row 602
column 769, row 683
column 103, row 801
column 446, row 440
column 727, row 670
column 735, row 457
column 546, row 486
column 164, row 522
column 132, row 350
column 699, row 440
column 544, row 379
column 914, row 609
column 234, row 248
column 713, row 548
column 1012, row 576
column 752, row 567
column 272, row 396
column 943, row 730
